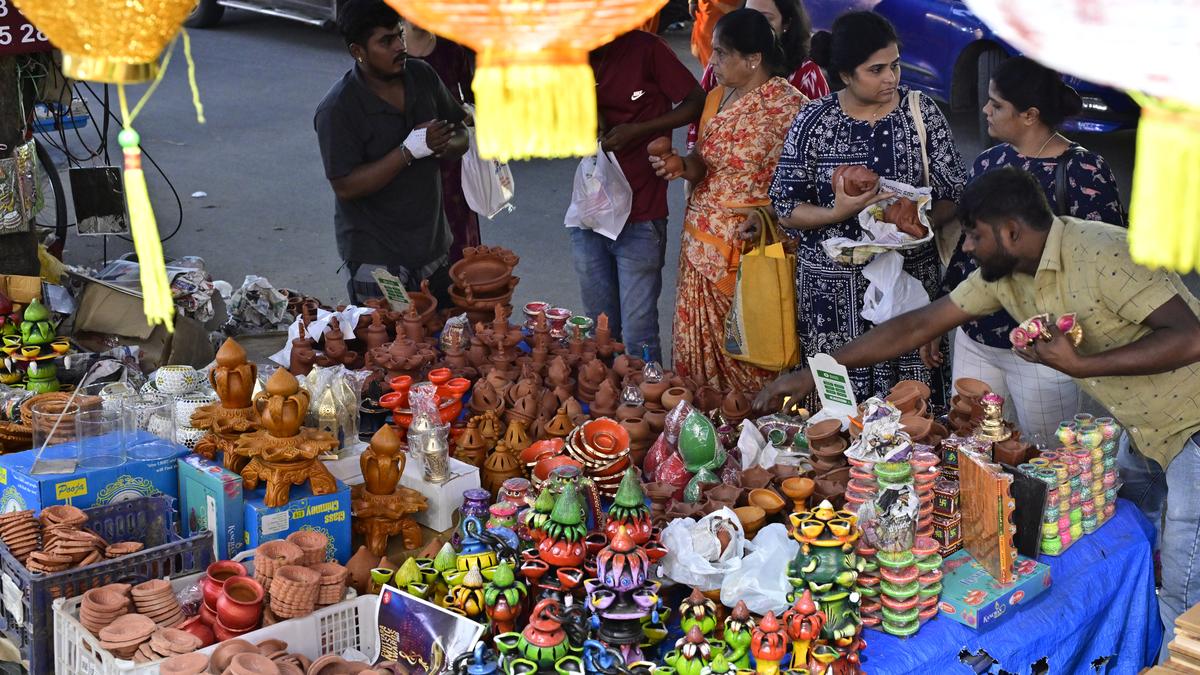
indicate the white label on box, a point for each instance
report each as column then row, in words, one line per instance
column 12, row 600
column 275, row 523
column 211, row 521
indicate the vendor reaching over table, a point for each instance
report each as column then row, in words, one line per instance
column 1138, row 357
column 382, row 129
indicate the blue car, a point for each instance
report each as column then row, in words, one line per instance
column 949, row 53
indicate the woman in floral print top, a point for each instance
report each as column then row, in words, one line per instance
column 872, row 122
column 1027, row 102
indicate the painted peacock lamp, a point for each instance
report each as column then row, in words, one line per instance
column 622, row 596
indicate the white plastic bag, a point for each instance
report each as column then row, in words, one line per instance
column 761, row 581
column 487, row 184
column 601, row 198
column 892, row 291
column 693, row 555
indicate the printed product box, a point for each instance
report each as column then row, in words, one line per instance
column 21, row 489
column 327, row 514
column 972, row 597
column 211, row 499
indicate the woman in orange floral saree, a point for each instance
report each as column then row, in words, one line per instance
column 741, row 134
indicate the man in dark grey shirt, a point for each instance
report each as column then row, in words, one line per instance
column 382, row 129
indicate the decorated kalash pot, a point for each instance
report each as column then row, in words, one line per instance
column 554, row 567
column 828, row 566
column 543, row 647
column 629, row 511
column 622, row 596
column 504, row 599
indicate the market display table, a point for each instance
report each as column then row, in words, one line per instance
column 1101, row 604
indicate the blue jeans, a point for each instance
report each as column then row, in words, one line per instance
column 623, row 279
column 1178, row 524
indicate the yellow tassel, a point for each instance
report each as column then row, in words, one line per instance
column 157, row 302
column 535, row 110
column 1163, row 231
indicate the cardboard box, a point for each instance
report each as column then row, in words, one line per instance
column 20, row 489
column 105, row 310
column 444, row 499
column 972, row 597
column 21, row 289
column 211, row 499
column 327, row 514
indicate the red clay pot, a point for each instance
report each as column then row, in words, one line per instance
column 240, row 604
column 215, row 577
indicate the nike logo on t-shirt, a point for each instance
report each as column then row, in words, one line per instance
column 637, row 94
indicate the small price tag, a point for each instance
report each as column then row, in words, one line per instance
column 833, row 386
column 275, row 523
column 392, row 289
column 12, row 600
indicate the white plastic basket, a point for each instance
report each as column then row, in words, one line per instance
column 349, row 624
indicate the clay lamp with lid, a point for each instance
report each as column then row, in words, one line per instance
column 823, row 434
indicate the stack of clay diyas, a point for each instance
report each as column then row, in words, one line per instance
column 101, row 606
column 929, row 564
column 273, row 555
column 966, row 407
column 828, row 443
column 871, row 606
column 21, row 533
column 125, row 635
column 64, row 544
column 602, row 447
column 294, row 591
column 156, row 600
column 165, row 643
column 333, row 582
column 925, row 473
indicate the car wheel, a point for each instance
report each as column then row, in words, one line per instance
column 207, row 14
column 985, row 66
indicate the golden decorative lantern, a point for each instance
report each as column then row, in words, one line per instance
column 535, row 94
column 119, row 42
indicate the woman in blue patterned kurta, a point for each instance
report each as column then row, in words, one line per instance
column 869, row 123
column 1027, row 103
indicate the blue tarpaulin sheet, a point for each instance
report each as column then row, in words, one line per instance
column 1100, row 605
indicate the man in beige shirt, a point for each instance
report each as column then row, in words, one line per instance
column 1141, row 345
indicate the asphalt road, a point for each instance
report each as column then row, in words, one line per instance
column 269, row 210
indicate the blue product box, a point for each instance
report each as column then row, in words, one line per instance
column 21, row 489
column 328, row 514
column 211, row 499
column 973, row 597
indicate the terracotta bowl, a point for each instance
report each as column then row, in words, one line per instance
column 605, row 437
column 225, row 652
column 312, row 543
column 971, row 388
column 752, row 518
column 767, row 500
column 540, row 450
column 543, row 468
column 920, row 387
column 822, row 431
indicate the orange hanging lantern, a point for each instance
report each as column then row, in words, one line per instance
column 120, row 42
column 535, row 94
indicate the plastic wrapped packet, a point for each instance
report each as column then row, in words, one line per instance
column 335, row 398
column 457, row 333
column 428, row 438
column 882, row 438
column 790, row 425
column 702, row 553
column 889, row 520
column 761, row 580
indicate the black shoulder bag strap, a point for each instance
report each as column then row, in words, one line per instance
column 1060, row 180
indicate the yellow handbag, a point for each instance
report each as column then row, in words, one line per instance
column 760, row 328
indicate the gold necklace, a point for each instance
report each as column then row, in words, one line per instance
column 1037, row 155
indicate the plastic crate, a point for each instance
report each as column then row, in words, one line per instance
column 27, row 618
column 350, row 624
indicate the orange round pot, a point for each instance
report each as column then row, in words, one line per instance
column 240, row 606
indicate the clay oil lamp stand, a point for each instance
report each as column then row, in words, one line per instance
column 233, row 378
column 966, row 407
column 483, row 281
column 380, row 505
column 448, row 397
column 622, row 595
column 282, row 453
column 629, row 511
column 798, row 489
column 504, row 599
column 828, row 566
